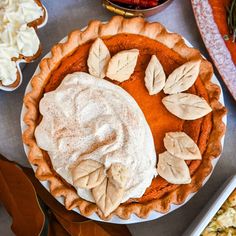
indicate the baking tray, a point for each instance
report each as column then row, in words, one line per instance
column 209, row 211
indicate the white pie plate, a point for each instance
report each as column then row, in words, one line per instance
column 116, row 220
column 21, row 63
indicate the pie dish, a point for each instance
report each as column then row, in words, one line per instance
column 18, row 38
column 71, row 56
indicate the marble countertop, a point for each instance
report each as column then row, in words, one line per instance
column 65, row 16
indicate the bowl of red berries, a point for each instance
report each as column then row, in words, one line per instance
column 132, row 8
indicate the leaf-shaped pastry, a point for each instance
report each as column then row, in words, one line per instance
column 182, row 146
column 154, row 76
column 98, row 59
column 173, row 169
column 88, row 174
column 182, row 78
column 186, row 106
column 118, row 175
column 121, row 66
column 107, row 196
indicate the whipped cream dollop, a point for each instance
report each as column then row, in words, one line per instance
column 91, row 118
column 21, row 11
column 7, row 52
column 8, row 71
column 27, row 41
column 16, row 37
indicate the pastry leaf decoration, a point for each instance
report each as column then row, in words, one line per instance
column 182, row 146
column 121, row 66
column 109, row 194
column 154, row 76
column 186, row 106
column 98, row 59
column 118, row 175
column 88, row 174
column 182, row 78
column 173, row 169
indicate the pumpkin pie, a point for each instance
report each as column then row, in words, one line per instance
column 136, row 102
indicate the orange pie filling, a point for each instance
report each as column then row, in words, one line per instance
column 158, row 117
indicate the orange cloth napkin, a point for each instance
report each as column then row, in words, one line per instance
column 34, row 210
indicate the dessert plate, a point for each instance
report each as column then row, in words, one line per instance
column 215, row 43
column 115, row 219
column 21, row 63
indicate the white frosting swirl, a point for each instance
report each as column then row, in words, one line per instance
column 11, row 14
column 30, row 9
column 8, row 71
column 90, row 118
column 21, row 11
column 27, row 41
column 7, row 51
column 8, row 35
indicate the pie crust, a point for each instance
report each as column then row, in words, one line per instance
column 96, row 29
